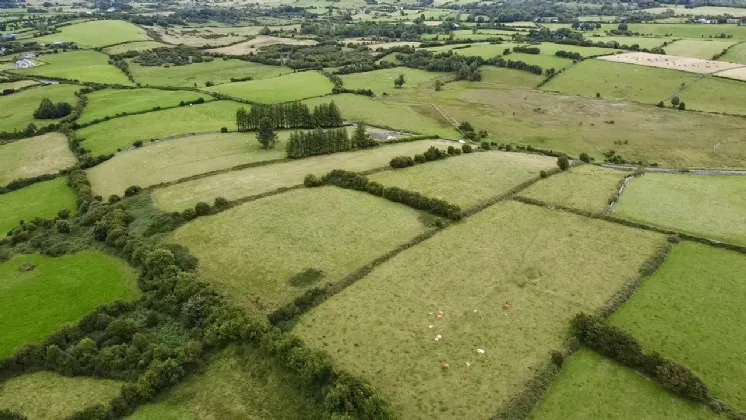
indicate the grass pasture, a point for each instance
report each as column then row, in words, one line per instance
column 737, row 54
column 43, row 199
column 537, row 260
column 197, row 74
column 586, row 187
column 20, row 84
column 380, row 81
column 84, row 66
column 111, row 102
column 287, row 88
column 134, row 46
column 467, row 180
column 96, row 33
column 51, row 396
column 716, row 94
column 17, row 110
column 239, row 383
column 619, row 81
column 258, row 180
column 328, row 229
column 667, row 314
column 704, row 49
column 119, row 133
column 59, row 290
column 34, row 156
column 509, row 77
column 590, row 386
column 709, row 206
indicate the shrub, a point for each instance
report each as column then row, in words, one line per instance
column 132, row 190
column 466, row 148
column 674, row 239
column 63, row 226
column 563, row 162
column 49, row 110
column 189, row 214
column 433, row 153
column 137, row 143
column 681, row 380
column 223, row 129
column 458, row 152
column 63, row 214
column 557, row 358
column 401, row 162
column 202, row 209
column 682, row 106
column 485, row 145
column 420, row 159
column 451, row 150
column 543, row 174
column 221, row 202
column 114, row 198
column 675, row 101
column 661, row 104
column 311, row 181
column 585, row 158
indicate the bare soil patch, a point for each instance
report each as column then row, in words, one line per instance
column 688, row 64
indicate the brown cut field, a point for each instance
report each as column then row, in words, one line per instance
column 688, row 64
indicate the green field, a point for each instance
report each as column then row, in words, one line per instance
column 134, row 46
column 97, row 33
column 586, row 187
column 17, row 110
column 59, row 290
column 120, row 133
column 110, row 102
column 509, row 77
column 709, row 206
column 675, row 30
column 196, row 75
column 547, row 265
column 716, row 94
column 258, row 180
column 619, row 81
column 545, row 58
column 418, row 118
column 737, row 54
column 680, row 10
column 291, row 87
column 704, row 49
column 83, row 66
column 43, row 199
column 328, row 229
column 380, row 81
column 592, row 387
column 468, row 180
column 20, row 84
column 34, row 156
column 691, row 311
column 51, row 396
column 239, row 383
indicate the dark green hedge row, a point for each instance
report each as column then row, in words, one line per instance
column 431, row 154
column 17, row 184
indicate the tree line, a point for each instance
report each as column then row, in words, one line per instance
column 289, row 115
column 322, row 142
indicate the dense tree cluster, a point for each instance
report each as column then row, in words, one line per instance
column 49, row 110
column 177, row 56
column 327, row 54
column 289, row 115
column 369, row 29
column 517, row 65
column 568, row 54
column 444, row 62
column 526, row 49
column 318, row 142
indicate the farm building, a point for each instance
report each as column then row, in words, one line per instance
column 24, row 64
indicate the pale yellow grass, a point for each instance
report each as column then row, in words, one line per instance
column 40, row 155
column 687, row 64
column 736, row 74
column 252, row 181
column 259, row 42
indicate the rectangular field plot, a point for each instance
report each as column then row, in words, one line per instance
column 380, row 81
column 467, row 180
column 43, row 199
column 619, row 81
column 709, row 206
column 290, row 87
column 97, row 33
column 197, row 74
column 237, row 384
column 737, row 54
column 510, row 77
column 58, row 290
column 506, row 281
column 592, row 387
column 313, row 236
column 120, row 133
column 670, row 62
column 715, row 94
column 111, row 102
column 17, row 110
column 691, row 311
column 48, row 395
column 586, row 187
column 704, row 49
column 258, row 180
column 27, row 158
column 83, row 66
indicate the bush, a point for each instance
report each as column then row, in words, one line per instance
column 661, row 104
column 682, row 381
column 223, row 129
column 674, row 239
column 675, row 101
column 585, row 158
column 221, row 202
column 563, row 162
column 49, row 110
column 401, row 162
column 63, row 214
column 202, row 209
column 137, row 143
column 114, row 198
column 433, row 153
column 682, row 106
column 467, row 148
column 485, row 145
column 311, row 181
column 543, row 174
column 420, row 159
column 189, row 214
column 451, row 150
column 132, row 190
column 62, row 226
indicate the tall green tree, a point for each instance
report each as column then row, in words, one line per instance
column 399, row 82
column 266, row 134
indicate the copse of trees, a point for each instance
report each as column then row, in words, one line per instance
column 517, row 65
column 467, row 68
column 567, row 54
column 526, row 49
column 49, row 110
column 318, row 142
column 289, row 115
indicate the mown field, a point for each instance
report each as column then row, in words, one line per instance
column 197, row 74
column 239, row 382
column 328, row 229
column 17, row 110
column 111, row 102
column 710, row 206
column 121, row 133
column 704, row 49
column 380, row 81
column 467, row 180
column 43, row 199
column 48, row 395
column 691, row 311
column 736, row 54
column 590, row 387
column 715, row 94
column 586, row 187
column 83, row 66
column 508, row 77
column 258, row 180
column 97, row 33
column 287, row 88
column 619, row 81
column 510, row 269
column 57, row 291
column 34, row 156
